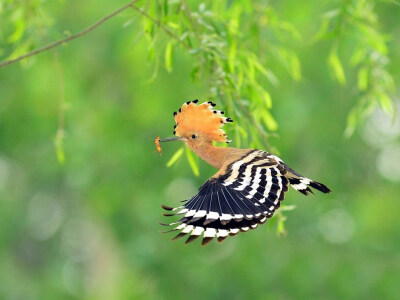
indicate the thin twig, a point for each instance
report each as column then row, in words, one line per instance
column 67, row 39
column 166, row 29
column 192, row 22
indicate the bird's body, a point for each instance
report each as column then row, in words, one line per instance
column 246, row 190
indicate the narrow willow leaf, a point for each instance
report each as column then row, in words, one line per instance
column 351, row 123
column 165, row 8
column 362, row 79
column 155, row 72
column 269, row 121
column 272, row 78
column 243, row 132
column 267, row 98
column 259, row 67
column 271, row 223
column 238, row 140
column 295, row 70
column 280, row 226
column 240, row 76
column 192, row 162
column 194, row 51
column 375, row 38
column 195, row 74
column 232, row 56
column 19, row 27
column 386, row 103
column 336, row 66
column 291, row 29
column 127, row 23
column 358, row 56
column 173, row 25
column 148, row 26
column 151, row 55
column 234, row 20
column 322, row 32
column 266, row 72
column 331, row 14
column 59, row 145
column 183, row 36
column 175, row 157
column 287, row 207
column 250, row 74
column 169, row 56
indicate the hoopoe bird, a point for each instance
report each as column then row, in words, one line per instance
column 246, row 190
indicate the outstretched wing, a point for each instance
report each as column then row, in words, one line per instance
column 246, row 195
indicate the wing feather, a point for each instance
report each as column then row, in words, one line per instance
column 245, row 196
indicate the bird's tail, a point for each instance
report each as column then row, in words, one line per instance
column 303, row 184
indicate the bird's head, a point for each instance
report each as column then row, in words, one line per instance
column 197, row 125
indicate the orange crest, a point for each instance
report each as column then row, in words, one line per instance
column 192, row 118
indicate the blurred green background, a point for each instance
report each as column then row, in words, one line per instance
column 88, row 228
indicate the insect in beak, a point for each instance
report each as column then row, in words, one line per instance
column 157, row 142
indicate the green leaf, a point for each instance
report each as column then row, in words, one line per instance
column 173, row 25
column 386, row 103
column 362, row 79
column 272, row 78
column 358, row 56
column 165, row 6
column 155, row 72
column 287, row 207
column 351, row 123
column 291, row 29
column 322, row 32
column 238, row 140
column 18, row 32
column 232, row 56
column 336, row 66
column 331, row 14
column 175, row 157
column 267, row 73
column 280, row 226
column 195, row 74
column 59, row 145
column 269, row 121
column 295, row 70
column 192, row 162
column 151, row 55
column 169, row 56
column 267, row 98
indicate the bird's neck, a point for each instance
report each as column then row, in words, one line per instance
column 215, row 156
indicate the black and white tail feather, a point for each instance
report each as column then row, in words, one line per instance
column 245, row 196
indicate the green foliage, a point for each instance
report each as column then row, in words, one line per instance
column 23, row 26
column 358, row 22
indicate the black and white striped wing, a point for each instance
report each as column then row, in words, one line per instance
column 245, row 196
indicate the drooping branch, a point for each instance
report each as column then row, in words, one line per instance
column 69, row 38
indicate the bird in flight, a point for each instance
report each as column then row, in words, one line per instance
column 246, row 190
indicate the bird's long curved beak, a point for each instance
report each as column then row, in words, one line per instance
column 172, row 139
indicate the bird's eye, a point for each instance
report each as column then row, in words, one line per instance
column 193, row 136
